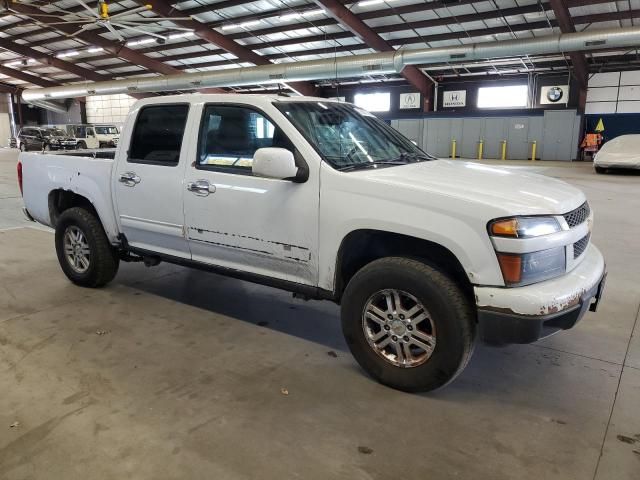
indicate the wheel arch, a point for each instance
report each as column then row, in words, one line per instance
column 362, row 246
column 60, row 200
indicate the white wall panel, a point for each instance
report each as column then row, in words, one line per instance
column 629, row 107
column 629, row 93
column 630, row 78
column 600, row 107
column 602, row 94
column 608, row 79
column 108, row 108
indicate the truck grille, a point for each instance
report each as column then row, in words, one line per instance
column 580, row 246
column 577, row 216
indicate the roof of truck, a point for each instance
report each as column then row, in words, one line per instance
column 229, row 97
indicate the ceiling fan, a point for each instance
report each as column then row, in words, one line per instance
column 124, row 21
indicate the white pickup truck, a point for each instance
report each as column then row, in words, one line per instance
column 322, row 199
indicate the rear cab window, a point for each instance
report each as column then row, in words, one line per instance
column 158, row 134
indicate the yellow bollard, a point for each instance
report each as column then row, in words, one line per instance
column 534, row 147
column 453, row 148
column 504, row 150
column 480, row 149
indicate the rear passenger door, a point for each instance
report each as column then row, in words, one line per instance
column 148, row 180
column 244, row 222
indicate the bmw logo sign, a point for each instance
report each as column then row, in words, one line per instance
column 555, row 94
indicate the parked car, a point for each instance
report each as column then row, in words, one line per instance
column 84, row 135
column 108, row 135
column 423, row 255
column 57, row 139
column 31, row 138
column 621, row 152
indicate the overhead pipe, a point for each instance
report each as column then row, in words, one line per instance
column 48, row 105
column 351, row 66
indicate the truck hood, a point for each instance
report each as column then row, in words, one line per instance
column 516, row 191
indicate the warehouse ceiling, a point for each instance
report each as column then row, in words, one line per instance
column 40, row 44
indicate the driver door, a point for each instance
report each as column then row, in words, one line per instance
column 243, row 222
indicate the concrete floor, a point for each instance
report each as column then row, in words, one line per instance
column 176, row 374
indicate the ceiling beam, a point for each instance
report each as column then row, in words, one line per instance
column 51, row 60
column 93, row 38
column 164, row 9
column 520, row 27
column 26, row 77
column 566, row 24
column 360, row 29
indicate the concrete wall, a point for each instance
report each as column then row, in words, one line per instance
column 108, row 108
column 5, row 121
column 557, row 133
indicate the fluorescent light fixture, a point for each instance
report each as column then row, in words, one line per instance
column 241, row 25
column 72, row 53
column 144, row 41
column 95, row 50
column 294, row 15
column 366, row 3
column 175, row 36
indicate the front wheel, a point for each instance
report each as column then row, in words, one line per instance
column 407, row 324
column 23, row 147
column 601, row 170
column 82, row 146
column 84, row 252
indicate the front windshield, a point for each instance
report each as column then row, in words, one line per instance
column 348, row 137
column 54, row 132
column 106, row 130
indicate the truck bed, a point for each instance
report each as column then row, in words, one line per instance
column 85, row 172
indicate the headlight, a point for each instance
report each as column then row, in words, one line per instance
column 520, row 269
column 527, row 268
column 524, row 227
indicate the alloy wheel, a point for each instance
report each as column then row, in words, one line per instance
column 399, row 328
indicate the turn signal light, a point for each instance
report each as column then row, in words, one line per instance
column 511, row 266
column 505, row 228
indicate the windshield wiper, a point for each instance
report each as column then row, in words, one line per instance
column 415, row 156
column 363, row 165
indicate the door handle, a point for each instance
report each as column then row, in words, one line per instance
column 201, row 187
column 130, row 179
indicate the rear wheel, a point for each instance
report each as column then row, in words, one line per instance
column 408, row 324
column 84, row 252
column 23, row 147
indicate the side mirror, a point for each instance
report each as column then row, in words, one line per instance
column 274, row 163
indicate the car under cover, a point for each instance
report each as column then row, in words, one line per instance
column 621, row 152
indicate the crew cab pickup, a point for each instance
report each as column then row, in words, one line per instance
column 323, row 199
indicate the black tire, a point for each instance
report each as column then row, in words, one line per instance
column 601, row 170
column 82, row 146
column 103, row 258
column 450, row 310
column 46, row 147
column 23, row 147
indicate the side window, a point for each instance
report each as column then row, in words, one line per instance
column 230, row 136
column 157, row 134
